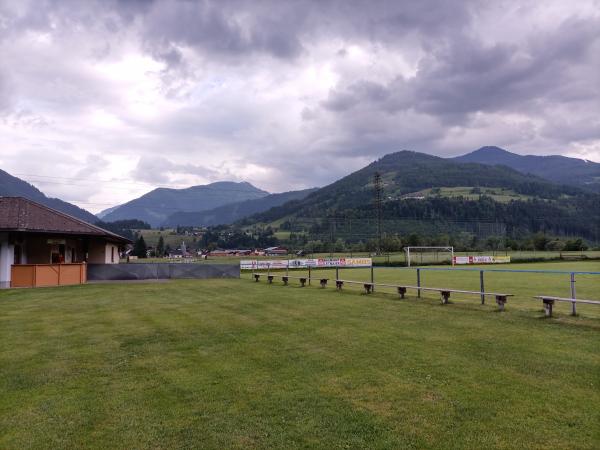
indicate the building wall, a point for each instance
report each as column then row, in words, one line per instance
column 102, row 252
column 6, row 260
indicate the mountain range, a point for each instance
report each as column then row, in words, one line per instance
column 430, row 190
column 496, row 173
column 157, row 205
column 561, row 169
column 232, row 212
column 11, row 186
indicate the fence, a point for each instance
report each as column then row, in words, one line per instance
column 38, row 275
column 525, row 284
column 150, row 271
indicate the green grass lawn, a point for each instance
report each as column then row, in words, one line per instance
column 237, row 364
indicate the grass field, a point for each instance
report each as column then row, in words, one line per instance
column 238, row 364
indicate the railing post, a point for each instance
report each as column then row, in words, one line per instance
column 337, row 272
column 482, row 287
column 309, row 275
column 573, row 295
column 419, row 283
column 372, row 278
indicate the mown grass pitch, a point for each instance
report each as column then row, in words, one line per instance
column 238, row 364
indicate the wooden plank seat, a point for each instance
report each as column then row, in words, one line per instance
column 548, row 302
column 501, row 298
column 445, row 293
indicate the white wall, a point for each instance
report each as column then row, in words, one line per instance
column 7, row 253
column 100, row 253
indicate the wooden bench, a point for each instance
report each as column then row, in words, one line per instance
column 548, row 302
column 501, row 298
column 368, row 287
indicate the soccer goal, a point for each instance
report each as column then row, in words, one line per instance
column 419, row 255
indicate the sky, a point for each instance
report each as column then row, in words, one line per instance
column 102, row 101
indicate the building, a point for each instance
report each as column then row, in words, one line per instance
column 40, row 246
column 276, row 251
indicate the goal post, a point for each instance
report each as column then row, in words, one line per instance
column 412, row 251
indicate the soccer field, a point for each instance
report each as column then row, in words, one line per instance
column 238, row 364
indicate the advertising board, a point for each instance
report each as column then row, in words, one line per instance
column 253, row 264
column 481, row 259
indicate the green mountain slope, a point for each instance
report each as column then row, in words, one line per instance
column 232, row 212
column 11, row 186
column 560, row 169
column 537, row 204
column 155, row 206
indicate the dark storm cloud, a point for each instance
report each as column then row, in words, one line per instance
column 467, row 76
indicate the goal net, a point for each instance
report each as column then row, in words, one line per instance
column 428, row 255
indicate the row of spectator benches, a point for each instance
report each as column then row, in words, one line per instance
column 501, row 298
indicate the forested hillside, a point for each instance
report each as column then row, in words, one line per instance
column 557, row 209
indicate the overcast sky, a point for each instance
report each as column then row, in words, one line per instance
column 102, row 101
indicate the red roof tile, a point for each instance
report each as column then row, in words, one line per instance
column 21, row 214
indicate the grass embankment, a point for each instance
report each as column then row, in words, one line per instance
column 237, row 364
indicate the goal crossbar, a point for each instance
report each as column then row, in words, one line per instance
column 450, row 249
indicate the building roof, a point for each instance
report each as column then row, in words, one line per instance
column 21, row 214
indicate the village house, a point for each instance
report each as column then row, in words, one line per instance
column 40, row 246
column 276, row 251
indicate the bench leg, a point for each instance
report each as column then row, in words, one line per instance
column 285, row 282
column 548, row 308
column 501, row 300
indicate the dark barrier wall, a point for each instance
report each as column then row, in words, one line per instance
column 96, row 272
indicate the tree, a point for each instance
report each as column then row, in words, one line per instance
column 139, row 248
column 160, row 247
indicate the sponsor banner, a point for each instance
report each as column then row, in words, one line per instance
column 303, row 263
column 481, row 259
column 255, row 264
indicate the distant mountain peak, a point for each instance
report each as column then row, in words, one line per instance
column 557, row 168
column 155, row 206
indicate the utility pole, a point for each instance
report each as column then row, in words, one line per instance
column 378, row 200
